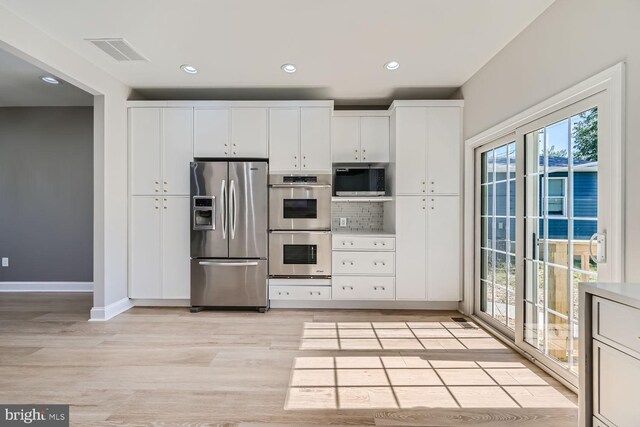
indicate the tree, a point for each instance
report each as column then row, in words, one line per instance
column 585, row 135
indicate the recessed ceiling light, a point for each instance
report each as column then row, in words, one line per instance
column 392, row 65
column 189, row 69
column 289, row 68
column 50, row 80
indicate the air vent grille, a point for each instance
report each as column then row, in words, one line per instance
column 118, row 48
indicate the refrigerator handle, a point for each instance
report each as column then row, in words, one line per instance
column 223, row 211
column 234, row 207
column 229, row 264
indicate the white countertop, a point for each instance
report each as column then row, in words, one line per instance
column 348, row 233
column 625, row 293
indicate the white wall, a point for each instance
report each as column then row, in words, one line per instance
column 110, row 148
column 571, row 41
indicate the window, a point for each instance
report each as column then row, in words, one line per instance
column 557, row 197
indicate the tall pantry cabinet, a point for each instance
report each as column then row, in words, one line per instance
column 426, row 140
column 160, row 149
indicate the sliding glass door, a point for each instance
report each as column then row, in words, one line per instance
column 538, row 209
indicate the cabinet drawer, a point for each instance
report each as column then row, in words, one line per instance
column 617, row 323
column 362, row 288
column 364, row 263
column 362, row 243
column 616, row 376
column 300, row 292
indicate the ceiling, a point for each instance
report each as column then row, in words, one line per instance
column 20, row 86
column 338, row 46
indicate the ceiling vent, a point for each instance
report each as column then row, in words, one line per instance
column 119, row 49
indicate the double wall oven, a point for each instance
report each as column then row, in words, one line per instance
column 300, row 226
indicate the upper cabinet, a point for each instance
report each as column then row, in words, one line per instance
column 160, row 146
column 300, row 139
column 360, row 138
column 231, row 132
column 426, row 144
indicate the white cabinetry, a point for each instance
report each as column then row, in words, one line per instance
column 300, row 139
column 360, row 139
column 426, row 145
column 363, row 267
column 428, row 248
column 159, row 242
column 231, row 132
column 160, row 147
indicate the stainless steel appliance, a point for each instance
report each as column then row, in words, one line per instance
column 229, row 266
column 360, row 181
column 300, row 202
column 300, row 225
column 300, row 253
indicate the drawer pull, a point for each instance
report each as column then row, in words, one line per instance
column 375, row 288
column 313, row 293
column 351, row 243
column 347, row 262
column 378, row 263
column 344, row 288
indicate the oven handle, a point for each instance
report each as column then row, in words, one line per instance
column 229, row 264
column 299, row 232
column 300, row 185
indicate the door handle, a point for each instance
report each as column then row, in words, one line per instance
column 601, row 248
column 229, row 264
column 234, row 207
column 223, row 211
column 304, row 185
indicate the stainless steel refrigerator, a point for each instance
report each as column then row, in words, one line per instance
column 229, row 219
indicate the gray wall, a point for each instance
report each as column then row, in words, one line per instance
column 571, row 41
column 46, row 194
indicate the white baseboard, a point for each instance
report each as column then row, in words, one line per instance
column 379, row 305
column 46, row 286
column 99, row 314
column 145, row 302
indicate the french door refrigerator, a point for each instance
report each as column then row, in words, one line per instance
column 229, row 219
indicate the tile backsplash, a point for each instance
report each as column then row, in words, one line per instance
column 361, row 216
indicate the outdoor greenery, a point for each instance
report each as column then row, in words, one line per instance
column 585, row 134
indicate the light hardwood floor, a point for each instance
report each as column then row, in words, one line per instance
column 166, row 366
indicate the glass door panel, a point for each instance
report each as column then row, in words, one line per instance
column 497, row 209
column 560, row 215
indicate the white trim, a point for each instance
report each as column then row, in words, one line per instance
column 229, row 104
column 362, row 113
column 610, row 80
column 100, row 314
column 426, row 103
column 46, row 286
column 151, row 302
column 367, row 305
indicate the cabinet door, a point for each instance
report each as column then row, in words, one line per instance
column 443, row 248
column 411, row 132
column 211, row 132
column 410, row 248
column 175, row 248
column 345, row 139
column 315, row 139
column 284, row 139
column 443, row 150
column 374, row 139
column 144, row 262
column 177, row 149
column 249, row 132
column 144, row 148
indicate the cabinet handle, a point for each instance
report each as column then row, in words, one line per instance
column 424, row 207
column 364, row 151
column 344, row 288
column 375, row 288
column 351, row 243
column 234, row 152
column 375, row 243
column 156, row 190
column 165, row 182
column 344, row 243
column 157, row 182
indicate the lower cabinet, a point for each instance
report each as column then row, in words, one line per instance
column 362, row 288
column 159, row 248
column 300, row 293
column 363, row 267
column 428, row 248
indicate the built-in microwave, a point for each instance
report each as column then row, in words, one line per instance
column 359, row 181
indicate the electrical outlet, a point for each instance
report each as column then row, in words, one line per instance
column 343, row 222
column 5, row 262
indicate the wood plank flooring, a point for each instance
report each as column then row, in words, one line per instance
column 166, row 366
